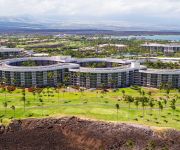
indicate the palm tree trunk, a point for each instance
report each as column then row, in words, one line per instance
column 5, row 96
column 117, row 115
column 5, row 111
column 143, row 112
column 14, row 114
column 129, row 111
column 24, row 106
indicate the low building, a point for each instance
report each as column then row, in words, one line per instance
column 6, row 53
column 165, row 48
column 159, row 77
column 117, row 46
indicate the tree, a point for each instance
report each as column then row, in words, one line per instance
column 167, row 91
column 10, row 89
column 41, row 101
column 144, row 101
column 14, row 109
column 151, row 104
column 173, row 105
column 33, row 91
column 5, row 94
column 117, row 108
column 48, row 92
column 160, row 106
column 58, row 89
column 123, row 92
column 129, row 99
column 24, row 98
column 165, row 101
column 149, row 93
column 136, row 103
column 143, row 93
column 5, row 104
column 81, row 91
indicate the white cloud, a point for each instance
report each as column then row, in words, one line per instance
column 94, row 9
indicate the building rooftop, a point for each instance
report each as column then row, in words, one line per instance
column 115, row 45
column 5, row 65
column 161, row 45
column 3, row 49
column 161, row 71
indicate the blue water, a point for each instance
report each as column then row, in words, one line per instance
column 153, row 37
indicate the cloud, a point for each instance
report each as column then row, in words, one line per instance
column 117, row 10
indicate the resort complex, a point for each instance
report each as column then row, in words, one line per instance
column 101, row 79
column 83, row 72
column 89, row 75
column 165, row 48
column 6, row 53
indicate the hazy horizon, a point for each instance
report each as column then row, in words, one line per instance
column 157, row 14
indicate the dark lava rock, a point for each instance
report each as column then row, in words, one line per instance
column 77, row 134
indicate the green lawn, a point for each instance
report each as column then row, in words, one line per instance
column 92, row 104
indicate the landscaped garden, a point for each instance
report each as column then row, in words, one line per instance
column 135, row 105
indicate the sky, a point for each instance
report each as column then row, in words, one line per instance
column 127, row 12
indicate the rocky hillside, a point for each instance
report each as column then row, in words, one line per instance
column 77, row 134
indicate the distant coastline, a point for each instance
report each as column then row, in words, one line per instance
column 86, row 32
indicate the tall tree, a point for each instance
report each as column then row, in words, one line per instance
column 24, row 98
column 160, row 106
column 117, row 108
column 151, row 104
column 5, row 104
column 173, row 105
column 129, row 99
column 123, row 93
column 14, row 109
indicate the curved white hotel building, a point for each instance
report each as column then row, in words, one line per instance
column 87, row 72
column 51, row 71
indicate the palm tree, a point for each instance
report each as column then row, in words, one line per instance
column 144, row 100
column 151, row 104
column 136, row 102
column 5, row 104
column 165, row 101
column 140, row 91
column 58, row 89
column 143, row 93
column 5, row 94
column 117, row 108
column 129, row 99
column 13, row 108
column 48, row 92
column 173, row 105
column 24, row 97
column 41, row 101
column 160, row 106
column 149, row 93
column 81, row 91
column 167, row 91
column 33, row 91
column 123, row 93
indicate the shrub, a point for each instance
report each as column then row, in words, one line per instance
column 30, row 114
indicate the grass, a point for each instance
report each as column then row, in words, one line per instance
column 91, row 104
